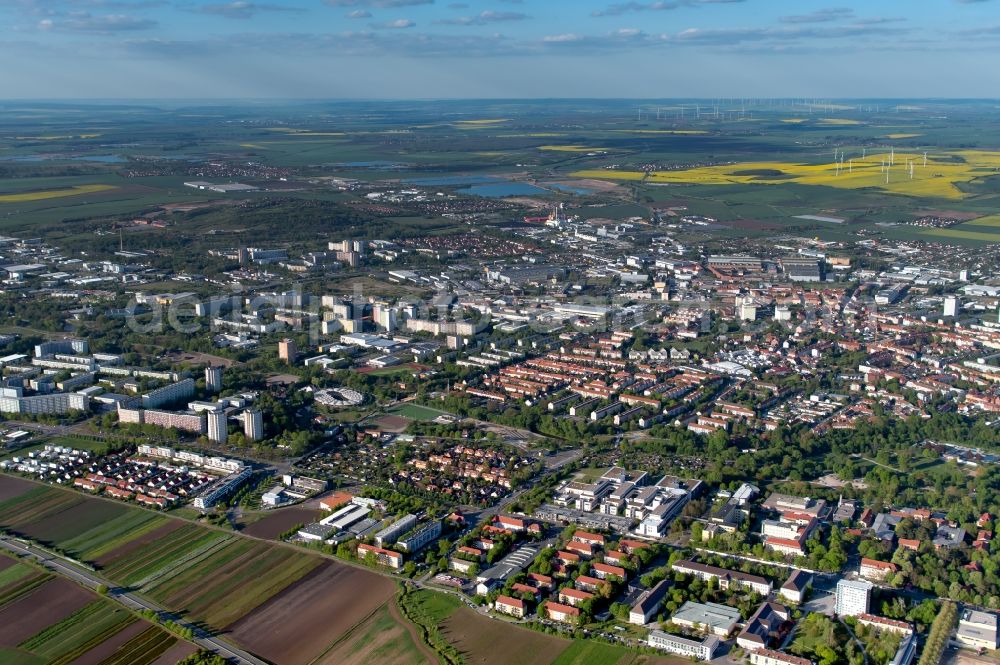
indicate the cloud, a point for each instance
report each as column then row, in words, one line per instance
column 563, row 38
column 104, row 24
column 820, row 16
column 398, row 24
column 379, row 4
column 625, row 7
column 359, row 13
column 242, row 9
column 620, row 8
column 484, row 18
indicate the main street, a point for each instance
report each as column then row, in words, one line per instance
column 130, row 600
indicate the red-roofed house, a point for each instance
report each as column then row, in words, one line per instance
column 540, row 581
column 603, row 570
column 382, row 556
column 512, row 606
column 588, row 583
column 616, row 557
column 632, row 546
column 560, row 612
column 517, row 587
column 567, row 558
column 785, row 545
column 882, row 623
column 511, row 523
column 877, row 570
column 573, row 596
column 911, row 544
column 585, row 550
column 589, row 538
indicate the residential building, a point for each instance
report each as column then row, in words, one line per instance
column 218, row 426
column 877, row 570
column 213, row 379
column 884, row 624
column 512, row 606
column 795, row 588
column 604, row 571
column 573, row 597
column 701, row 649
column 727, row 578
column 769, row 657
column 56, row 403
column 253, row 424
column 391, row 533
column 383, row 556
column 853, row 597
column 560, row 612
column 175, row 392
column 420, row 537
column 648, row 604
column 287, row 350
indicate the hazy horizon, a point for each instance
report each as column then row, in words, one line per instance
column 489, row 49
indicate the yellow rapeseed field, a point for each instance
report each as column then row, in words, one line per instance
column 937, row 179
column 838, row 122
column 54, row 193
column 475, row 124
column 901, row 136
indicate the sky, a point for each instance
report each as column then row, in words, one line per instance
column 439, row 49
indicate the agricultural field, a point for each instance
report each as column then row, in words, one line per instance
column 158, row 552
column 383, row 637
column 475, row 636
column 220, row 579
column 58, row 622
column 277, row 522
column 24, row 197
column 230, row 581
column 326, row 603
column 939, row 177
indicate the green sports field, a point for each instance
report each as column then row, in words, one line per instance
column 417, row 412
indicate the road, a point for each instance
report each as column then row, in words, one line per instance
column 130, row 600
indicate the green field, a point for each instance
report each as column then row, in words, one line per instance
column 959, row 234
column 63, row 642
column 378, row 639
column 417, row 412
column 143, row 649
column 176, row 549
column 991, row 221
column 435, row 606
column 230, row 581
